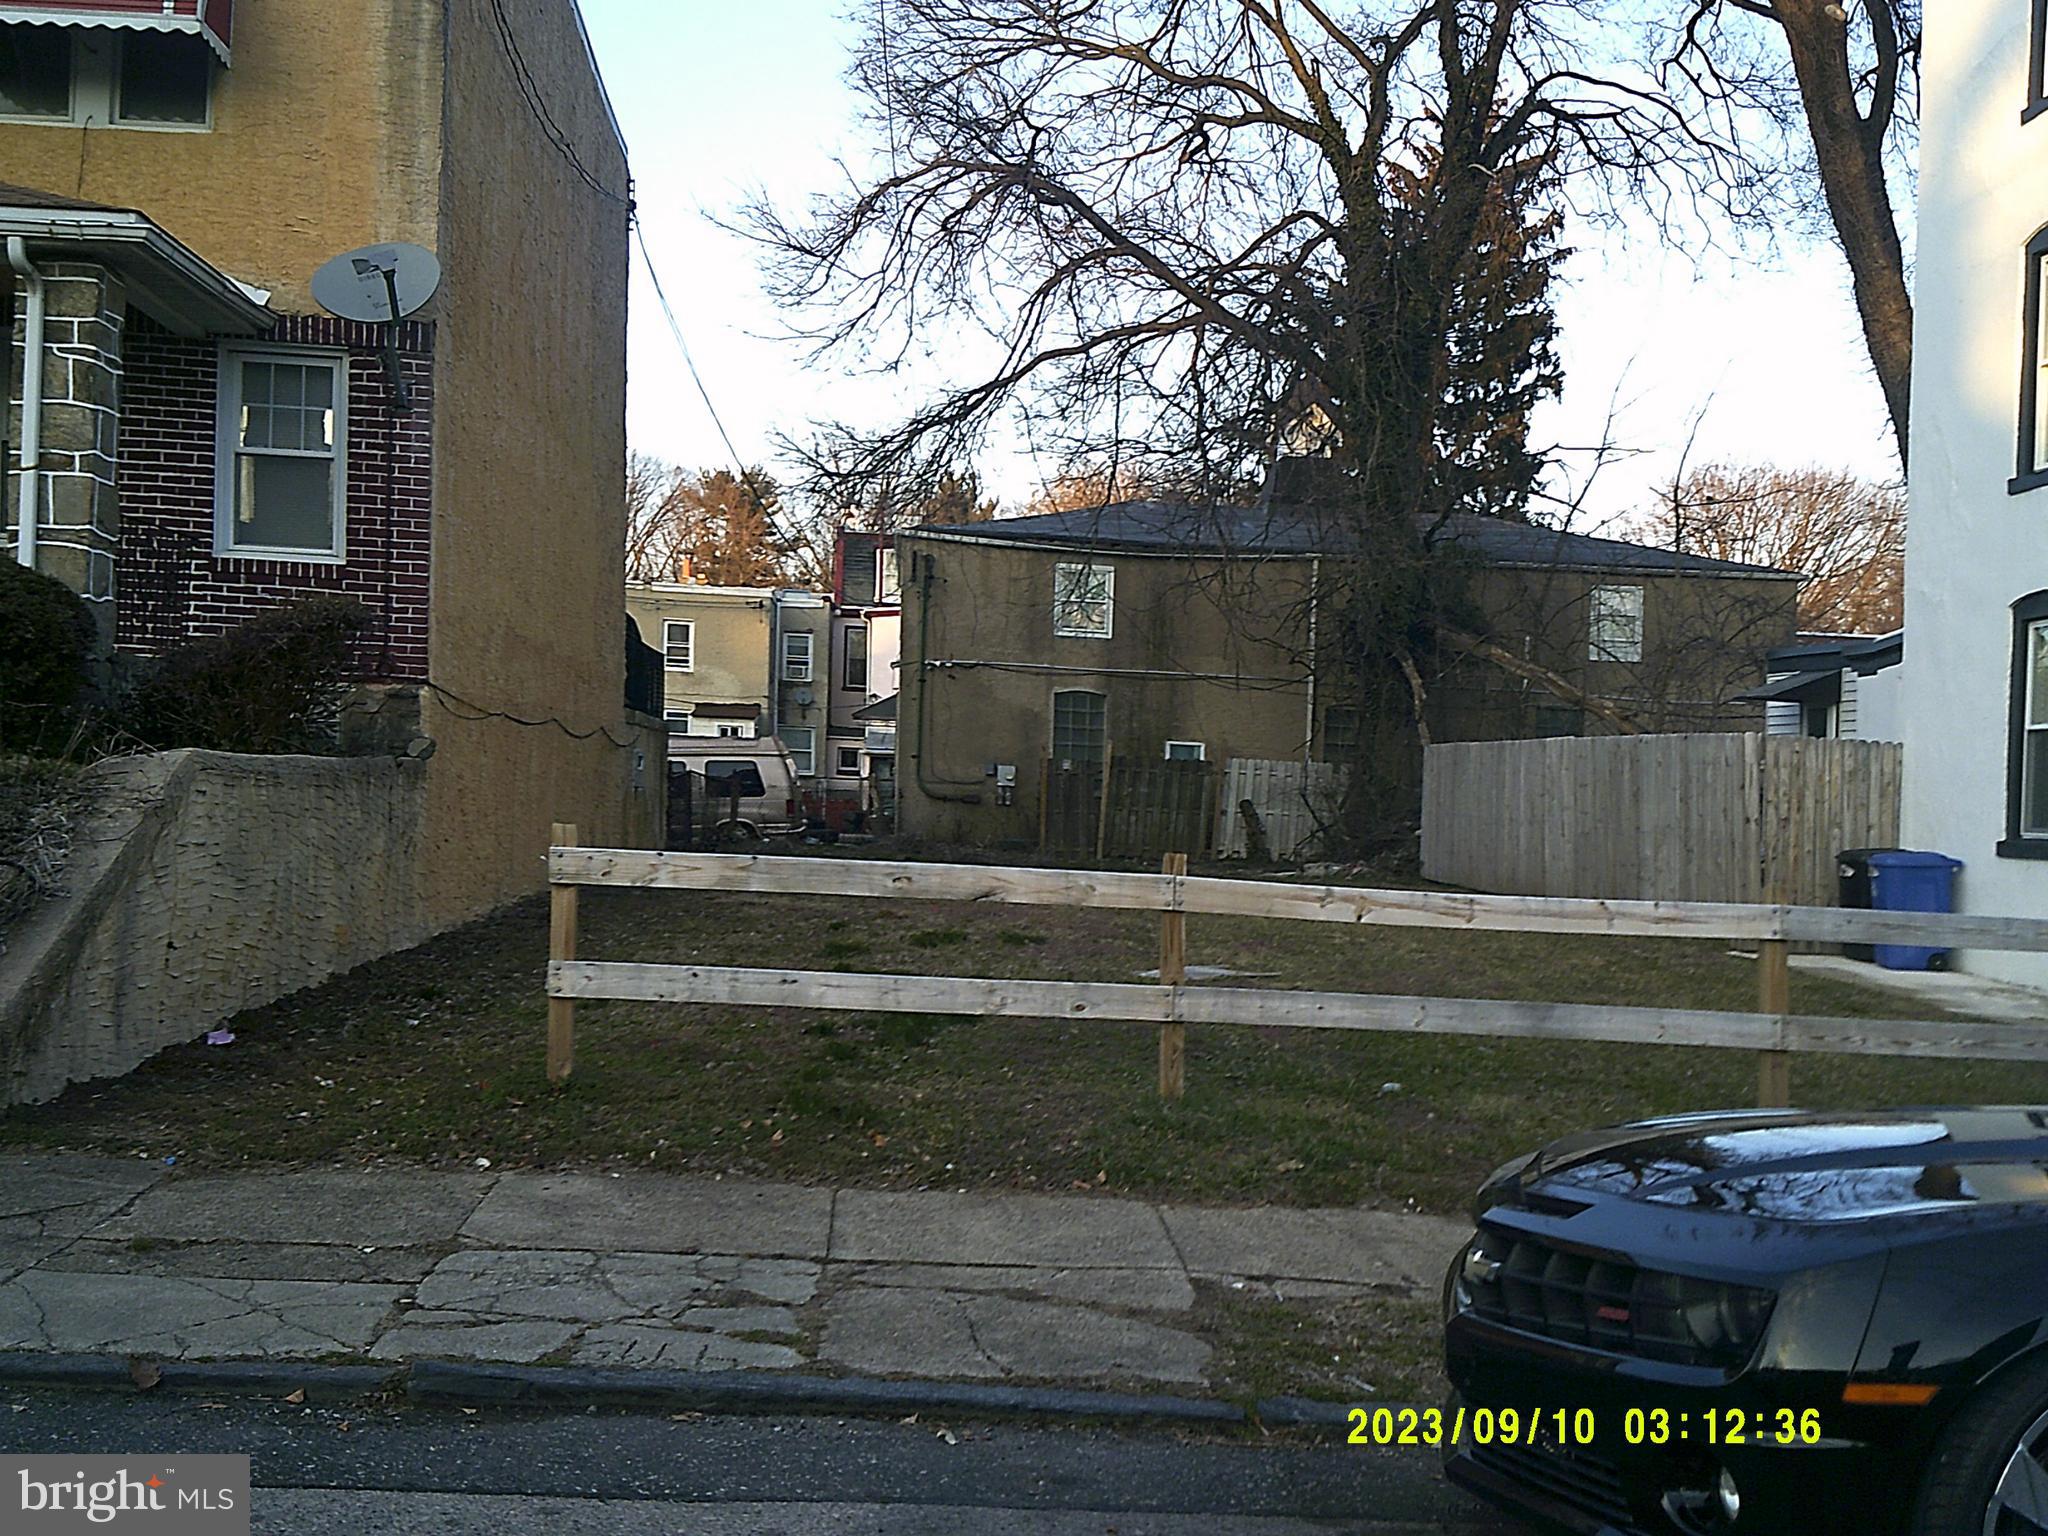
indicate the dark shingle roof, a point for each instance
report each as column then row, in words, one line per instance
column 1279, row 529
column 12, row 196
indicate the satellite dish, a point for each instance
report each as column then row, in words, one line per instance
column 380, row 283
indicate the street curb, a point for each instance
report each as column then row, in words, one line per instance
column 320, row 1381
column 450, row 1383
column 440, row 1381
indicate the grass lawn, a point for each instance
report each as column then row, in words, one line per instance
column 436, row 1056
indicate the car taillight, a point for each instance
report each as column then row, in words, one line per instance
column 789, row 806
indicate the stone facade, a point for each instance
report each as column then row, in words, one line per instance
column 78, row 526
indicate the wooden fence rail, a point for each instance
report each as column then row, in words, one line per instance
column 1773, row 1031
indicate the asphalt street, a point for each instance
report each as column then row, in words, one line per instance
column 375, row 1470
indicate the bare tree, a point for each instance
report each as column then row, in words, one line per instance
column 1079, row 489
column 1192, row 223
column 1849, row 110
column 1845, row 534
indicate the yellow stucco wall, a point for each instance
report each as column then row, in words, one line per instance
column 343, row 125
column 326, row 135
column 529, row 464
column 730, row 664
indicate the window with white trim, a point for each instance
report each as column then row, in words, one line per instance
column 801, row 741
column 281, row 459
column 1083, row 600
column 1187, row 752
column 887, row 588
column 849, row 762
column 1614, row 630
column 102, row 77
column 796, row 656
column 679, row 645
column 1080, row 726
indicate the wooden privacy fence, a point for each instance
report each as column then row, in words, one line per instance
column 1677, row 818
column 1773, row 1031
column 1292, row 802
column 1127, row 808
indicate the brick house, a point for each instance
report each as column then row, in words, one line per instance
column 199, row 441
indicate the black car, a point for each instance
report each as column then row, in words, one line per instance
column 1758, row 1322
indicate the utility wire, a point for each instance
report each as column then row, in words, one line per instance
column 675, row 329
column 536, row 103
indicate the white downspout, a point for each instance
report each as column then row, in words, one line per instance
column 31, row 402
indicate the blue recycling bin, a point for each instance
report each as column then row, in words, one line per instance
column 1905, row 881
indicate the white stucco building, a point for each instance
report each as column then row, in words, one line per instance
column 1976, row 674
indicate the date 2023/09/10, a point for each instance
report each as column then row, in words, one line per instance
column 1389, row 1425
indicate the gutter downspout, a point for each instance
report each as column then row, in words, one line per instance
column 30, row 449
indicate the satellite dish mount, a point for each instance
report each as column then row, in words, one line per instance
column 380, row 285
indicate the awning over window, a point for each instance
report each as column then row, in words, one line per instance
column 210, row 19
column 1799, row 688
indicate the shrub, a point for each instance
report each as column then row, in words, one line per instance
column 273, row 684
column 46, row 643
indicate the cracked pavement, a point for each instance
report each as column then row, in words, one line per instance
column 101, row 1255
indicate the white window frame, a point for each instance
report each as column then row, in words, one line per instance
column 1053, row 727
column 95, row 86
column 888, row 583
column 227, row 448
column 1201, row 753
column 668, row 629
column 805, row 757
column 1065, row 605
column 1603, row 641
column 840, row 770
column 798, row 668
column 733, row 730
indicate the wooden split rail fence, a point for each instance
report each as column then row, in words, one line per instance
column 1773, row 1032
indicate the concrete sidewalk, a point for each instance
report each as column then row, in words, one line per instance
column 99, row 1255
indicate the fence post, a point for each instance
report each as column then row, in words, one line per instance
column 1774, row 997
column 1173, row 970
column 561, row 946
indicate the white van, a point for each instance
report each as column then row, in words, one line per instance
column 770, row 799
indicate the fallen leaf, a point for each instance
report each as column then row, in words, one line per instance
column 949, row 1437
column 145, row 1373
column 775, row 1139
column 296, row 1395
column 1292, row 1165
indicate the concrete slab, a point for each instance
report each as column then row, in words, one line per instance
column 1376, row 1248
column 943, row 1334
column 245, row 1261
column 383, row 1208
column 672, row 1349
column 653, row 1215
column 1954, row 992
column 1039, row 1231
column 1141, row 1290
column 61, row 1195
column 189, row 1318
column 459, row 1336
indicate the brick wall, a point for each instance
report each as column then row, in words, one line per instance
column 169, row 584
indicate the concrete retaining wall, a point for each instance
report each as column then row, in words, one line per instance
column 202, row 884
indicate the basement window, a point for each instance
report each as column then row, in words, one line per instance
column 281, row 482
column 1186, row 752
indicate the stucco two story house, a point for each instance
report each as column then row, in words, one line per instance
column 191, row 439
column 1174, row 632
column 1976, row 676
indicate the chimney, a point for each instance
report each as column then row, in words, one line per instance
column 1303, row 479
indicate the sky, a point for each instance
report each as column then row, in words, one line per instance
column 719, row 102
